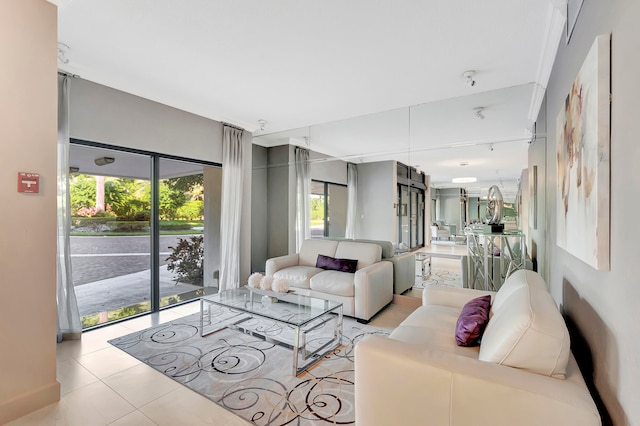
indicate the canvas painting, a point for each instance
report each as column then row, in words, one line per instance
column 583, row 161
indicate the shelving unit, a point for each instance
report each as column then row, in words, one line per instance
column 493, row 257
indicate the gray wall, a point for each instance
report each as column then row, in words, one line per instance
column 102, row 114
column 281, row 200
column 259, row 216
column 334, row 171
column 377, row 187
column 603, row 304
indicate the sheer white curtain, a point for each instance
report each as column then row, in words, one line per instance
column 352, row 200
column 69, row 324
column 303, row 203
column 231, row 206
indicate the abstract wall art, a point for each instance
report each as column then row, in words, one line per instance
column 582, row 130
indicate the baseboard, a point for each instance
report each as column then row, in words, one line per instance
column 28, row 402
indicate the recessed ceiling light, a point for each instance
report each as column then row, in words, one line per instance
column 464, row 179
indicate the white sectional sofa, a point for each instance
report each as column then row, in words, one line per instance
column 362, row 293
column 523, row 372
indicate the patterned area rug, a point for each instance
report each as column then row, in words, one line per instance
column 251, row 377
column 441, row 277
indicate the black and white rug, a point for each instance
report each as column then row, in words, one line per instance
column 252, row 377
column 440, row 277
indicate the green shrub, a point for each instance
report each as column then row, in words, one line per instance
column 175, row 226
column 130, row 226
column 187, row 259
column 142, row 216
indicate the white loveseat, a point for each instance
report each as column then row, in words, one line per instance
column 523, row 372
column 362, row 293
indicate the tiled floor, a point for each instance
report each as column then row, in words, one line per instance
column 101, row 385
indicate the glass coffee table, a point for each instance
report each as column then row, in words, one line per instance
column 309, row 326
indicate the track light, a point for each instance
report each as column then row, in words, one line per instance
column 479, row 113
column 468, row 77
column 103, row 161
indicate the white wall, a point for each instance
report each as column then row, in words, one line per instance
column 604, row 304
column 28, row 122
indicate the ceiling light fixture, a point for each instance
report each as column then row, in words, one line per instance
column 103, row 161
column 468, row 77
column 469, row 179
column 479, row 112
column 262, row 123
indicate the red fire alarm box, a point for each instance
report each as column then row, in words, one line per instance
column 28, row 182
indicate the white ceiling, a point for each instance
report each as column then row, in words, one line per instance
column 363, row 79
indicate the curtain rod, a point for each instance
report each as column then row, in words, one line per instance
column 233, row 126
column 68, row 74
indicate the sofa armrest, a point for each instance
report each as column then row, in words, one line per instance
column 274, row 264
column 404, row 271
column 373, row 289
column 402, row 383
column 454, row 297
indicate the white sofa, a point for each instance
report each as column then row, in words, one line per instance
column 362, row 293
column 523, row 372
column 404, row 264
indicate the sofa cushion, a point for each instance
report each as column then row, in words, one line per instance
column 334, row 282
column 472, row 321
column 515, row 281
column 433, row 327
column 527, row 331
column 298, row 276
column 312, row 248
column 331, row 263
column 366, row 254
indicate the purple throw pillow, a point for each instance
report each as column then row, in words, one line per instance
column 472, row 321
column 342, row 265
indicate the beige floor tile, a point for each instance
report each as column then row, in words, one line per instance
column 92, row 405
column 185, row 407
column 107, row 361
column 69, row 349
column 133, row 419
column 72, row 376
column 95, row 340
column 187, row 308
column 141, row 384
column 45, row 416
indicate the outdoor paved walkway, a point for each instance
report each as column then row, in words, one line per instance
column 125, row 290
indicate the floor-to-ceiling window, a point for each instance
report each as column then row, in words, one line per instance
column 138, row 231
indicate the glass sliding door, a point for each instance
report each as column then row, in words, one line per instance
column 110, row 233
column 142, row 225
column 328, row 209
column 183, row 242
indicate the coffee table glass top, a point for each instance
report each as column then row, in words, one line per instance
column 290, row 308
